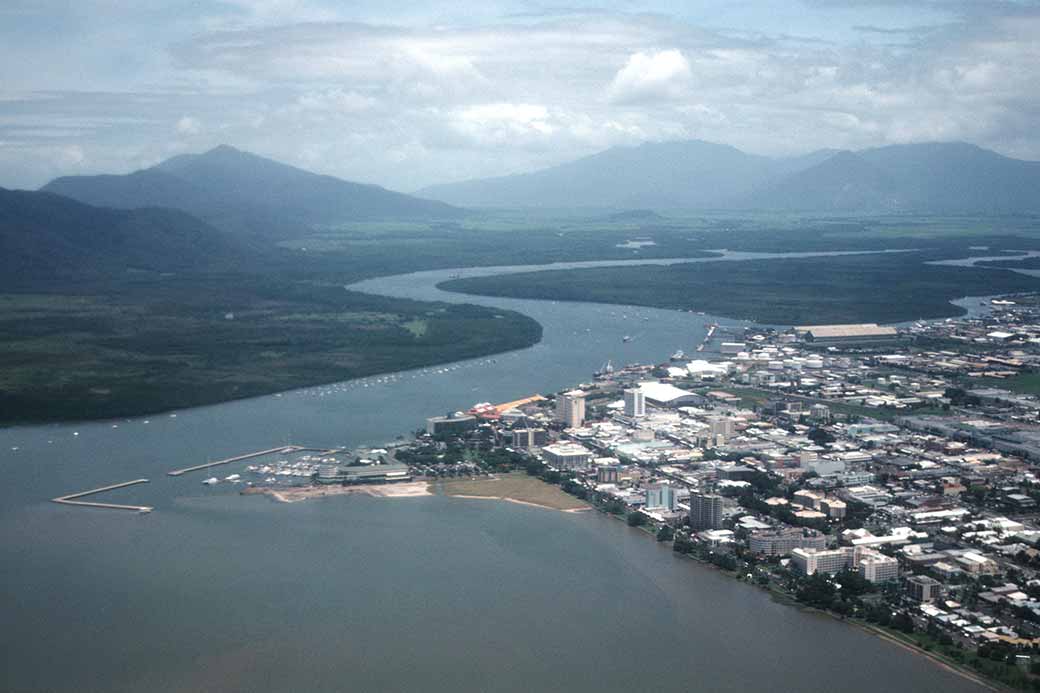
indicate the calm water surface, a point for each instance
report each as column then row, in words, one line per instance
column 216, row 591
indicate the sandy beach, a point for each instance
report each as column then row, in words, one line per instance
column 520, row 502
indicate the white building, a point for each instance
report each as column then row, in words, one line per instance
column 567, row 456
column 665, row 395
column 876, row 567
column 635, row 402
column 570, row 408
column 830, row 561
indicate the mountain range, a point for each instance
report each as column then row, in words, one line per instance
column 44, row 236
column 246, row 193
column 952, row 178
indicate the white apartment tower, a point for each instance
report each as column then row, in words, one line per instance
column 570, row 408
column 635, row 402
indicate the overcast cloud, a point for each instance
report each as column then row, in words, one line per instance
column 418, row 94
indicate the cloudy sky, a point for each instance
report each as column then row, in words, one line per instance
column 420, row 94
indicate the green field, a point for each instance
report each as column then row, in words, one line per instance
column 882, row 288
column 1026, row 383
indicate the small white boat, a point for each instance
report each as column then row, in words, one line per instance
column 232, row 477
column 211, row 481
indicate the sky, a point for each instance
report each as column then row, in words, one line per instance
column 407, row 94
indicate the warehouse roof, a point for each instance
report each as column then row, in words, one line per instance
column 663, row 393
column 858, row 330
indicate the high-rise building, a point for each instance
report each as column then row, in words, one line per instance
column 705, row 511
column 660, row 496
column 608, row 474
column 635, row 402
column 570, row 408
column 722, row 426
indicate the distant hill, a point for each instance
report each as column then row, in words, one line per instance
column 634, row 215
column 844, row 181
column 952, row 178
column 45, row 236
column 935, row 177
column 652, row 175
column 243, row 192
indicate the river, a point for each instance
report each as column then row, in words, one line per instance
column 216, row 591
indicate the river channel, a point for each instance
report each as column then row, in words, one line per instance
column 217, row 591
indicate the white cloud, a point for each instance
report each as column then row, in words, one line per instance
column 188, row 126
column 390, row 96
column 648, row 76
column 499, row 123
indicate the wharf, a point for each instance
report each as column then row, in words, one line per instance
column 70, row 499
column 708, row 336
column 285, row 449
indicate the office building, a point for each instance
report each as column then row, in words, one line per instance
column 923, row 588
column 705, row 511
column 529, row 437
column 608, row 474
column 721, row 427
column 570, row 409
column 660, row 496
column 635, row 402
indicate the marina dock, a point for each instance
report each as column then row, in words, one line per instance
column 708, row 336
column 285, row 449
column 70, row 499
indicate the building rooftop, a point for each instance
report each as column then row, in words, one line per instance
column 856, row 330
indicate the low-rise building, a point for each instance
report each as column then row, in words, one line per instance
column 876, row 567
column 830, row 561
column 923, row 588
column 781, row 542
column 567, row 456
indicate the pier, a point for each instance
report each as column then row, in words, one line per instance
column 285, row 449
column 70, row 499
column 708, row 336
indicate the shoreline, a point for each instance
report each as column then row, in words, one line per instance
column 932, row 657
column 788, row 600
column 517, row 501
